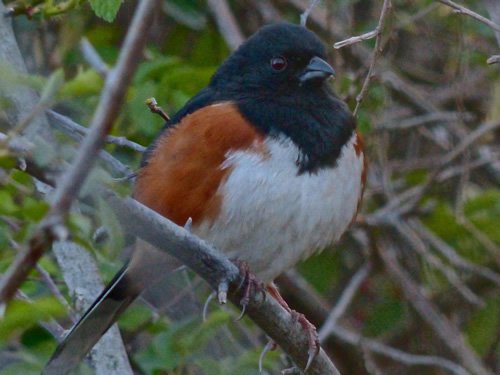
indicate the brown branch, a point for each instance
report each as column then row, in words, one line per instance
column 51, row 227
column 155, row 108
column 463, row 10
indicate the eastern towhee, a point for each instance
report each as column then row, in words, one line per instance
column 265, row 160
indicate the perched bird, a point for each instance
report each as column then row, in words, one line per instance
column 265, row 160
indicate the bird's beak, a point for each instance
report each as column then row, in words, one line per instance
column 317, row 68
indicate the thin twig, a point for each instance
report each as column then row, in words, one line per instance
column 411, row 122
column 226, row 22
column 420, row 247
column 356, row 39
column 51, row 326
column 51, row 227
column 495, row 59
column 463, row 10
column 67, row 126
column 396, row 354
column 305, row 15
column 448, row 333
column 155, row 108
column 450, row 253
column 376, row 52
column 90, row 54
column 344, row 301
column 51, row 285
column 70, row 127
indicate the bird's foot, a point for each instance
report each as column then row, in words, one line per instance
column 312, row 335
column 250, row 284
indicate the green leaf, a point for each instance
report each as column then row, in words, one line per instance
column 7, row 205
column 185, row 12
column 484, row 326
column 134, row 317
column 52, row 87
column 154, row 69
column 86, row 82
column 385, row 317
column 7, row 162
column 21, row 315
column 106, row 9
column 34, row 210
column 113, row 228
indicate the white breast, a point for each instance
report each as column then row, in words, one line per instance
column 272, row 218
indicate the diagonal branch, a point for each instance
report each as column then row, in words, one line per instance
column 51, row 228
column 376, row 52
column 463, row 10
column 216, row 268
column 448, row 333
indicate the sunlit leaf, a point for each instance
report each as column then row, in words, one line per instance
column 106, row 9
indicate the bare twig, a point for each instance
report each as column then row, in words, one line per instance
column 51, row 325
column 463, row 10
column 448, row 333
column 356, row 39
column 435, row 262
column 155, row 108
column 344, row 301
column 427, row 118
column 108, row 158
column 51, row 285
column 451, row 254
column 90, row 54
column 396, row 354
column 305, row 14
column 376, row 52
column 114, row 90
column 495, row 59
column 226, row 23
column 69, row 127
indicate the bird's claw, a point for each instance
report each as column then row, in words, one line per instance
column 312, row 334
column 270, row 346
column 249, row 283
column 205, row 306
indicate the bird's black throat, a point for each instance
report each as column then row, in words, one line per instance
column 315, row 120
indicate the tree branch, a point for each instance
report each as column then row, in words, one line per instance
column 463, row 10
column 376, row 52
column 448, row 333
column 226, row 22
column 51, row 227
column 215, row 268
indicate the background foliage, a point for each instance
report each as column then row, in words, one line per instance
column 429, row 120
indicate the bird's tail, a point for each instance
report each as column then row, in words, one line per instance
column 146, row 267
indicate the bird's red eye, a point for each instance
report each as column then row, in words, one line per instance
column 278, row 63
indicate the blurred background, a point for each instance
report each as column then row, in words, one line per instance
column 412, row 288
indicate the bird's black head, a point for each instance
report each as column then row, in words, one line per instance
column 277, row 59
column 277, row 78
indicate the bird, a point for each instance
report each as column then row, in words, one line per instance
column 266, row 162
